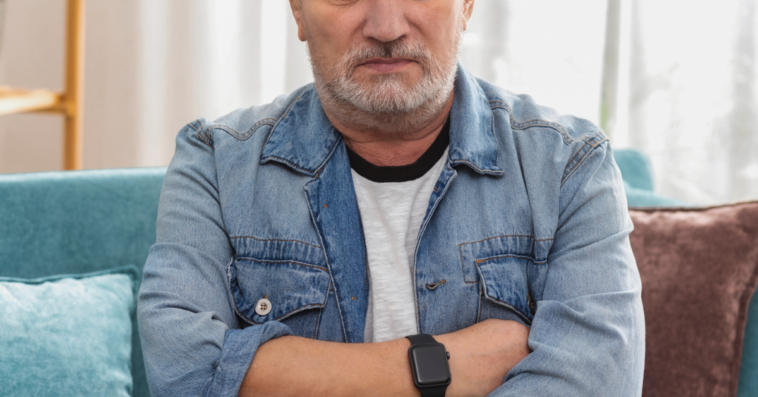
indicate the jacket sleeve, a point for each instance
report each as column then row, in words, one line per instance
column 588, row 332
column 191, row 339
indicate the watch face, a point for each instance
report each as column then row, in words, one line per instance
column 430, row 365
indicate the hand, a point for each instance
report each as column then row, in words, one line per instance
column 482, row 354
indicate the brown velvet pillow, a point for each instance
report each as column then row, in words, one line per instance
column 699, row 269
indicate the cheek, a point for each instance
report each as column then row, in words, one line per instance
column 440, row 27
column 327, row 39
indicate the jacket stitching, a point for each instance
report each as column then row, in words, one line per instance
column 502, row 105
column 282, row 261
column 507, row 235
column 492, row 258
column 205, row 132
column 542, row 123
column 460, row 251
column 531, row 123
column 191, row 125
column 247, row 134
column 573, row 158
column 200, row 135
column 291, row 164
column 474, row 166
column 299, row 309
column 282, row 240
column 494, row 136
column 586, row 151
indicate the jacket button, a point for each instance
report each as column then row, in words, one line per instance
column 263, row 307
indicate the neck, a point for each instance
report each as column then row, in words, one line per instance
column 389, row 140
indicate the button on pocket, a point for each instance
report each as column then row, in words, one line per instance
column 263, row 307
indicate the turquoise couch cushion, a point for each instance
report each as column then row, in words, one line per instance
column 68, row 335
column 638, row 180
column 635, row 169
column 748, row 386
column 79, row 222
column 636, row 197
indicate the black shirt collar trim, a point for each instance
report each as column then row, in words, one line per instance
column 402, row 173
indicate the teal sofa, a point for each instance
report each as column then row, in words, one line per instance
column 78, row 222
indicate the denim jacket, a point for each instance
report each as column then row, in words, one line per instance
column 527, row 222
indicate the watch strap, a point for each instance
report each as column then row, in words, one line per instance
column 421, row 339
column 438, row 391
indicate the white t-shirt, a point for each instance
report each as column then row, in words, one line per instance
column 391, row 214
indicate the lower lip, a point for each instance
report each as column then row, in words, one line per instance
column 381, row 67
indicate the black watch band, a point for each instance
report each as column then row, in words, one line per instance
column 428, row 391
column 422, row 339
column 433, row 391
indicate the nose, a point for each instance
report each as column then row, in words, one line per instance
column 385, row 20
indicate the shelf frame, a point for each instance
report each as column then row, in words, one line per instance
column 67, row 103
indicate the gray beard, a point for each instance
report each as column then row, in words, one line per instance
column 388, row 105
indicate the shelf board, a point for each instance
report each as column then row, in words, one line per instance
column 14, row 100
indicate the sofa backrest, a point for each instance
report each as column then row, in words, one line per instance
column 79, row 222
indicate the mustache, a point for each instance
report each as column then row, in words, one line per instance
column 395, row 49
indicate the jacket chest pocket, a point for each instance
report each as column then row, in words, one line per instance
column 279, row 290
column 505, row 268
column 504, row 288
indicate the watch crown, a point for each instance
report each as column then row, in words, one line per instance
column 448, row 355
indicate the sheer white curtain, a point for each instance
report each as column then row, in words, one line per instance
column 549, row 49
column 692, row 102
column 687, row 90
column 206, row 58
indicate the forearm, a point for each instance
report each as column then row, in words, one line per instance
column 294, row 366
column 480, row 357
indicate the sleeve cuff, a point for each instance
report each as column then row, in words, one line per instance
column 237, row 354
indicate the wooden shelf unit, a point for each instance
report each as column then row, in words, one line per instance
column 67, row 103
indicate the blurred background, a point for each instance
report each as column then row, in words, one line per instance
column 676, row 79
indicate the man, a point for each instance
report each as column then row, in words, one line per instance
column 396, row 196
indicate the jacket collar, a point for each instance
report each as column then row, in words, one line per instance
column 304, row 138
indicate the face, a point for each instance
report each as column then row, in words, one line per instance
column 383, row 56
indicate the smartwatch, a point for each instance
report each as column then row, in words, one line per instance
column 429, row 367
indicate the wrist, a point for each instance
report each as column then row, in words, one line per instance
column 451, row 343
column 428, row 359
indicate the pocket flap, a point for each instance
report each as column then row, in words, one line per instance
column 504, row 281
column 290, row 286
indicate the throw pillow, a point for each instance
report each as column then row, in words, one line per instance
column 67, row 335
column 699, row 269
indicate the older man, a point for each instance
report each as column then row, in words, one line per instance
column 476, row 242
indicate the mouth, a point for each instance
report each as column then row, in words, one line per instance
column 386, row 65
